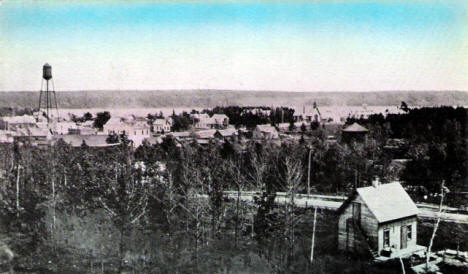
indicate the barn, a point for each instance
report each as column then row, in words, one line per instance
column 380, row 220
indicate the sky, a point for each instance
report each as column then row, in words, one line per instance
column 237, row 45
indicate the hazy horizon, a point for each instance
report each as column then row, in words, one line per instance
column 305, row 46
column 242, row 90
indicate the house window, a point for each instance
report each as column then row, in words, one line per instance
column 386, row 238
column 409, row 234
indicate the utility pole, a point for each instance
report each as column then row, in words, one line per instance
column 313, row 236
column 17, row 190
column 308, row 173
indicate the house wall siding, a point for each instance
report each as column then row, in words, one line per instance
column 347, row 236
column 395, row 232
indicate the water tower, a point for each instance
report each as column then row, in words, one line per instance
column 47, row 97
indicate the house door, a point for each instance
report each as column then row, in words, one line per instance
column 357, row 212
column 404, row 237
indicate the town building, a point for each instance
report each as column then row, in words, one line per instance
column 17, row 122
column 220, row 120
column 263, row 111
column 97, row 141
column 228, row 134
column 354, row 132
column 116, row 125
column 380, row 220
column 33, row 135
column 180, row 137
column 312, row 115
column 204, row 134
column 204, row 121
column 64, row 127
column 136, row 130
column 161, row 125
column 266, row 132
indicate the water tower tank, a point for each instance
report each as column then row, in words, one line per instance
column 47, row 72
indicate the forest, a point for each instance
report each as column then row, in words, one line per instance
column 161, row 208
column 435, row 143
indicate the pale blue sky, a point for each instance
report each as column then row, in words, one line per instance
column 277, row 45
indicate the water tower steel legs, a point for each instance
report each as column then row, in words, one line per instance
column 50, row 98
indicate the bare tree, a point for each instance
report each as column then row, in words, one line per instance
column 291, row 180
column 443, row 191
column 124, row 197
column 258, row 174
column 238, row 179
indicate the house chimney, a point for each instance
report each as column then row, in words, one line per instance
column 376, row 182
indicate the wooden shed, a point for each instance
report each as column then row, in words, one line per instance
column 380, row 220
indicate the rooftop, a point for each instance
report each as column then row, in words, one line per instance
column 388, row 201
column 227, row 132
column 266, row 128
column 76, row 140
column 205, row 134
column 355, row 128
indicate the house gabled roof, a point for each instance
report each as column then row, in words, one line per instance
column 387, row 202
column 355, row 128
column 205, row 134
column 266, row 128
column 114, row 121
column 227, row 132
column 182, row 134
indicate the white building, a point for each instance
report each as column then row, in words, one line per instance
column 221, row 120
column 15, row 122
column 135, row 131
column 162, row 125
column 266, row 132
column 204, row 121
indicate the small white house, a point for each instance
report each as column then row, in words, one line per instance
column 380, row 220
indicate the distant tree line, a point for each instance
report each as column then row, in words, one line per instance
column 436, row 145
column 11, row 111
